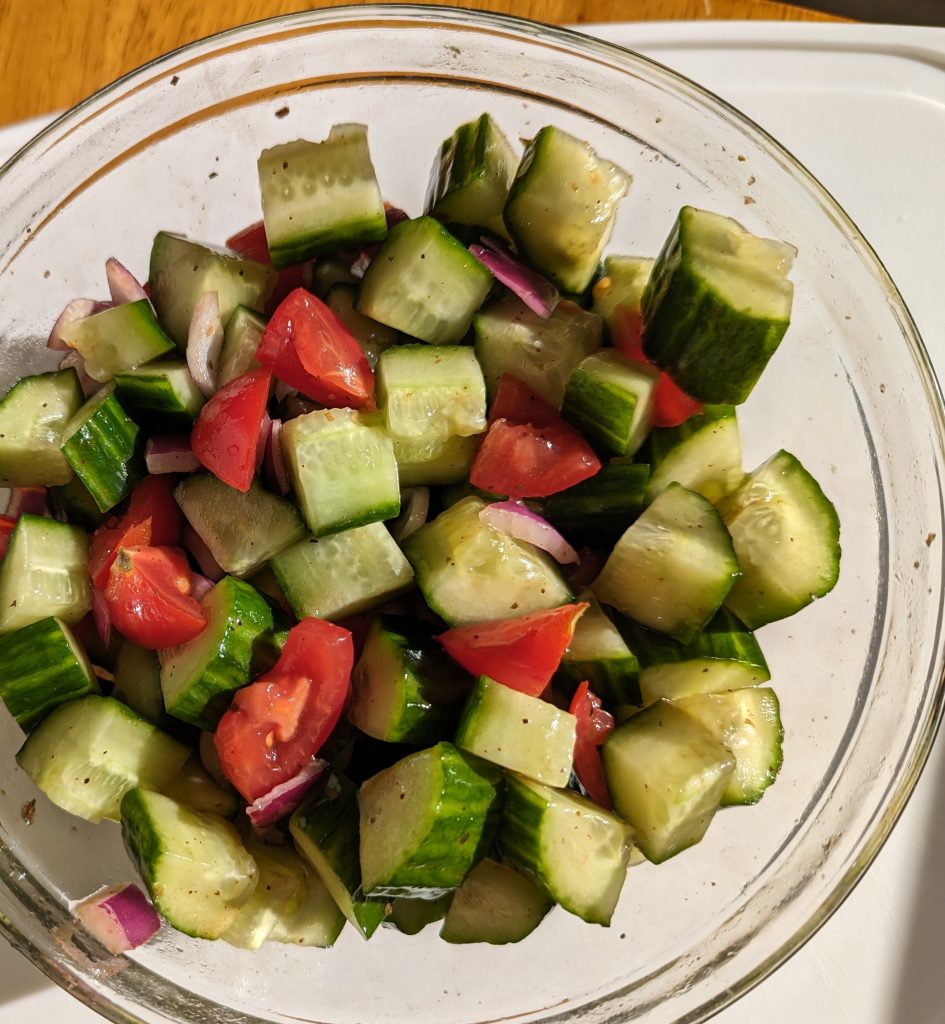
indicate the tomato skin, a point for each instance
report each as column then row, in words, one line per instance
column 527, row 461
column 594, row 725
column 226, row 434
column 7, row 526
column 153, row 518
column 516, row 402
column 521, row 653
column 149, row 597
column 306, row 345
column 277, row 724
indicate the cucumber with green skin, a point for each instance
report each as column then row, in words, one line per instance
column 72, row 503
column 137, row 682
column 716, row 306
column 316, row 921
column 162, row 394
column 241, row 338
column 617, row 295
column 596, row 511
column 118, row 339
column 373, row 337
column 433, row 463
column 411, row 916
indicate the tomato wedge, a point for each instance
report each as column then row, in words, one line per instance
column 153, row 518
column 307, row 346
column 252, row 243
column 522, row 653
column 278, row 723
column 226, row 435
column 7, row 526
column 516, row 402
column 594, row 725
column 149, row 597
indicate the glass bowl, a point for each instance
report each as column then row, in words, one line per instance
column 850, row 392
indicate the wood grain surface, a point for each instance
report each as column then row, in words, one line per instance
column 55, row 52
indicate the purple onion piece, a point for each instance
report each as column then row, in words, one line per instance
column 77, row 309
column 414, row 509
column 200, row 586
column 121, row 917
column 274, row 462
column 517, row 520
column 362, row 261
column 195, row 544
column 284, row 798
column 262, row 443
column 75, row 360
column 537, row 292
column 394, row 215
column 27, row 501
column 170, row 453
column 122, row 284
column 204, row 342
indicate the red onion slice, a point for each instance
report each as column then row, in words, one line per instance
column 262, row 442
column 195, row 544
column 170, row 453
column 122, row 284
column 200, row 586
column 121, row 917
column 394, row 215
column 537, row 292
column 274, row 461
column 517, row 520
column 362, row 261
column 101, row 616
column 75, row 360
column 77, row 309
column 27, row 501
column 414, row 509
column 204, row 341
column 284, row 798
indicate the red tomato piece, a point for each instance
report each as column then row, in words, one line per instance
column 522, row 653
column 149, row 597
column 153, row 519
column 306, row 345
column 252, row 243
column 7, row 525
column 527, row 461
column 277, row 724
column 517, row 403
column 594, row 725
column 226, row 435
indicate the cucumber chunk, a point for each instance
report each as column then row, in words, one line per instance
column 495, row 904
column 374, row 338
column 576, row 851
column 716, row 306
column 425, row 822
column 240, row 340
column 666, row 774
column 471, row 175
column 786, row 535
column 673, row 567
column 87, row 754
column 181, row 271
column 73, row 503
column 195, row 787
column 195, row 867
column 404, row 688
column 597, row 511
column 343, row 470
column 748, row 723
column 118, row 339
column 160, row 394
column 515, row 731
column 342, row 574
column 562, row 205
column 470, row 572
column 326, row 831
column 320, row 196
column 411, row 916
column 33, row 414
column 44, row 573
column 41, row 666
column 540, row 352
column 437, row 462
column 242, row 530
column 424, row 282
column 198, row 678
column 317, row 921
column 617, row 295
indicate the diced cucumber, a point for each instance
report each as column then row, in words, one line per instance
column 723, row 656
column 562, row 205
column 424, row 282
column 597, row 511
column 598, row 653
column 666, row 774
column 703, row 454
column 242, row 530
column 101, row 444
column 195, row 867
column 33, row 414
column 118, row 339
column 470, row 572
column 412, row 915
column 576, row 851
column 181, row 271
column 160, row 394
column 199, row 677
column 41, row 666
column 404, row 688
column 617, row 295
column 195, row 787
column 316, row 922
column 515, row 731
column 342, row 574
column 44, row 573
column 137, row 675
column 673, row 567
column 716, row 306
column 540, row 352
column 374, row 338
column 240, row 341
column 73, row 503
column 425, row 822
column 748, row 723
column 495, row 904
column 332, row 270
column 786, row 535
column 341, row 463
column 326, row 832
column 88, row 753
column 320, row 196
column 471, row 175
column 431, row 392
column 609, row 398
column 425, row 463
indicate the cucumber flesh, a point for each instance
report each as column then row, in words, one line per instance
column 617, row 295
column 374, row 338
column 596, row 512
column 438, row 462
column 411, row 916
column 118, row 339
column 240, row 341
column 161, row 394
column 316, row 921
column 195, row 787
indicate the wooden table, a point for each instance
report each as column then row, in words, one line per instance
column 55, row 52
